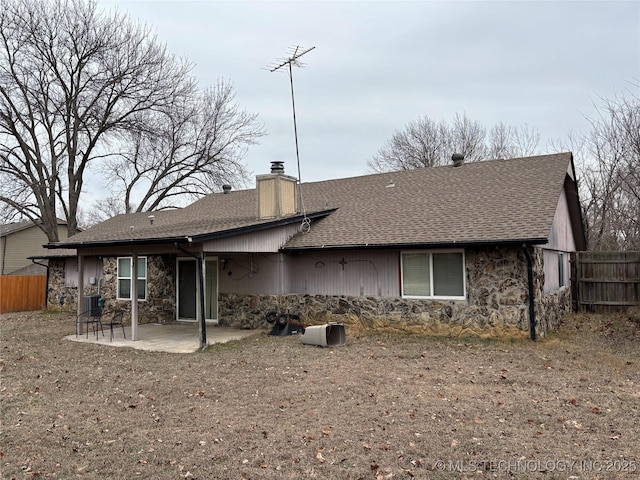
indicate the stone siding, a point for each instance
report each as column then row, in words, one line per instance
column 497, row 304
column 57, row 288
column 160, row 306
column 552, row 309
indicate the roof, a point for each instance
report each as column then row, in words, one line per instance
column 51, row 254
column 497, row 201
column 9, row 228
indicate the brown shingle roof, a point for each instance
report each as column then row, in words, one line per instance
column 9, row 228
column 492, row 201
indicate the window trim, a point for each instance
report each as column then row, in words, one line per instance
column 431, row 283
column 118, row 277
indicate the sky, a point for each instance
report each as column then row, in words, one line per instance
column 378, row 65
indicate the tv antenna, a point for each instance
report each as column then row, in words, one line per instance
column 295, row 53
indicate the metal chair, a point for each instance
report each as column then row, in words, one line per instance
column 117, row 319
column 91, row 317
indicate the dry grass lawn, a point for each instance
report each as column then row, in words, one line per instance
column 567, row 406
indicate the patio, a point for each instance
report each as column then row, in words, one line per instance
column 171, row 337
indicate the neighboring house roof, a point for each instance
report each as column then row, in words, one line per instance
column 498, row 201
column 9, row 228
column 33, row 269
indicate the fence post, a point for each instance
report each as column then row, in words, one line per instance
column 573, row 266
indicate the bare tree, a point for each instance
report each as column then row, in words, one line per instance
column 468, row 138
column 607, row 160
column 101, row 210
column 423, row 143
column 426, row 143
column 500, row 141
column 193, row 146
column 612, row 173
column 509, row 142
column 76, row 86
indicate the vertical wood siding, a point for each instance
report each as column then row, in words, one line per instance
column 270, row 240
column 19, row 293
column 92, row 269
column 249, row 273
column 370, row 273
column 561, row 234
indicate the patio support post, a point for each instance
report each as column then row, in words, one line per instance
column 81, row 300
column 201, row 313
column 200, row 307
column 134, row 297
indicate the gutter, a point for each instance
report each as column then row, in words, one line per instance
column 409, row 246
column 195, row 238
column 201, row 321
column 532, row 312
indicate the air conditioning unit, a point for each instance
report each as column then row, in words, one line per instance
column 92, row 305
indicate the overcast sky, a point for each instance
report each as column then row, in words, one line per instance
column 378, row 65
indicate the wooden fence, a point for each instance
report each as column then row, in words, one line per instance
column 606, row 281
column 19, row 293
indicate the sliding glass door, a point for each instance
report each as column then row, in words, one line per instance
column 187, row 294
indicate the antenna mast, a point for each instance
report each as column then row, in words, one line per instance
column 293, row 59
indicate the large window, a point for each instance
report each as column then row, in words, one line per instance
column 433, row 275
column 125, row 267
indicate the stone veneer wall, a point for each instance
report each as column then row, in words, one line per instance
column 57, row 287
column 160, row 306
column 497, row 305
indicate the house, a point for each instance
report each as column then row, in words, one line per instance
column 19, row 243
column 471, row 248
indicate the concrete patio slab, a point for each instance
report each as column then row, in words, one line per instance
column 171, row 337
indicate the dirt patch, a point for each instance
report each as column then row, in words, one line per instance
column 388, row 406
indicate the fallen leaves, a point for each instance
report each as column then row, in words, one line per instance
column 365, row 429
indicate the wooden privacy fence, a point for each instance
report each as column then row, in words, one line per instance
column 19, row 293
column 606, row 281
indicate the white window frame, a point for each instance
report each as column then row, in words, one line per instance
column 431, row 282
column 119, row 277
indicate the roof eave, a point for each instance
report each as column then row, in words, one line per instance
column 434, row 245
column 186, row 239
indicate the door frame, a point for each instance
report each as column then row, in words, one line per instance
column 197, row 289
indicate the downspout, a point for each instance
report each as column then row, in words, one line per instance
column 201, row 320
column 46, row 286
column 532, row 312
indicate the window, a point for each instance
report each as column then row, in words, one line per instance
column 433, row 274
column 125, row 266
column 561, row 281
